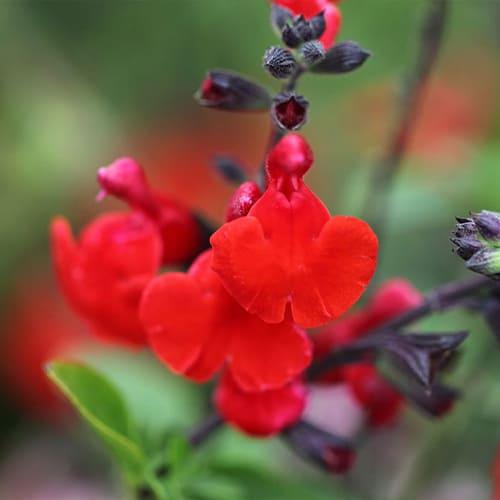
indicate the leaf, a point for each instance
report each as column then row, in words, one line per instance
column 103, row 408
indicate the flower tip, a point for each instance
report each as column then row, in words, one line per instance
column 292, row 156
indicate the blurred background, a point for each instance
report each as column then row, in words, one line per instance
column 84, row 82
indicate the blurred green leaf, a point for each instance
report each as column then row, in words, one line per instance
column 102, row 407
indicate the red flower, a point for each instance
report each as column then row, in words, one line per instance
column 104, row 273
column 290, row 253
column 37, row 329
column 261, row 414
column 179, row 229
column 381, row 402
column 194, row 325
column 309, row 8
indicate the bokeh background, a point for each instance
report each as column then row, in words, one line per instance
column 84, row 82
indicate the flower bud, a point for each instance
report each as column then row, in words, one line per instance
column 279, row 62
column 318, row 25
column 477, row 241
column 229, row 169
column 243, row 200
column 289, row 111
column 231, row 92
column 304, row 29
column 488, row 225
column 312, row 52
column 330, row 452
column 291, row 37
column 342, row 58
column 292, row 156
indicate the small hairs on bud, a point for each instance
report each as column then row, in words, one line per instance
column 344, row 57
column 279, row 62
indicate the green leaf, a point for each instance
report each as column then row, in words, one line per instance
column 103, row 408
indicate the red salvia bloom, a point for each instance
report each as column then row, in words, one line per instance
column 309, row 8
column 290, row 253
column 194, row 326
column 381, row 402
column 260, row 414
column 179, row 229
column 104, row 273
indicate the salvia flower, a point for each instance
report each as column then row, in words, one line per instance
column 289, row 111
column 477, row 241
column 323, row 15
column 195, row 326
column 180, row 231
column 288, row 253
column 263, row 413
column 332, row 453
column 229, row 91
column 104, row 272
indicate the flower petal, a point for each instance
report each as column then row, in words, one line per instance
column 260, row 413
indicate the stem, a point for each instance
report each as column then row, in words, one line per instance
column 430, row 43
column 204, row 430
column 440, row 299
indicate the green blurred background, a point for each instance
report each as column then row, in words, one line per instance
column 83, row 82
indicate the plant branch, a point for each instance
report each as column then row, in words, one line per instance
column 430, row 43
column 440, row 299
column 205, row 430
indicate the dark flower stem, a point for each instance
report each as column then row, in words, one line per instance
column 376, row 206
column 205, row 430
column 440, row 299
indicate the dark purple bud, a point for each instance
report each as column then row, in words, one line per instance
column 229, row 169
column 289, row 111
column 342, row 58
column 231, row 92
column 279, row 62
column 291, row 37
column 465, row 238
column 312, row 52
column 280, row 17
column 332, row 453
column 488, row 225
column 486, row 261
column 318, row 25
column 304, row 29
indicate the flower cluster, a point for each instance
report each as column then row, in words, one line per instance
column 239, row 305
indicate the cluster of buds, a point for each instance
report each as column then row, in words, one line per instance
column 477, row 242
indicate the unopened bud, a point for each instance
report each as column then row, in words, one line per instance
column 280, row 17
column 291, row 37
column 279, row 62
column 231, row 92
column 289, row 111
column 332, row 453
column 243, row 199
column 488, row 225
column 318, row 25
column 312, row 52
column 304, row 29
column 342, row 58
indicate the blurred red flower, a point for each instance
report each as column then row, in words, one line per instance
column 38, row 328
column 104, row 272
column 380, row 401
column 260, row 414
